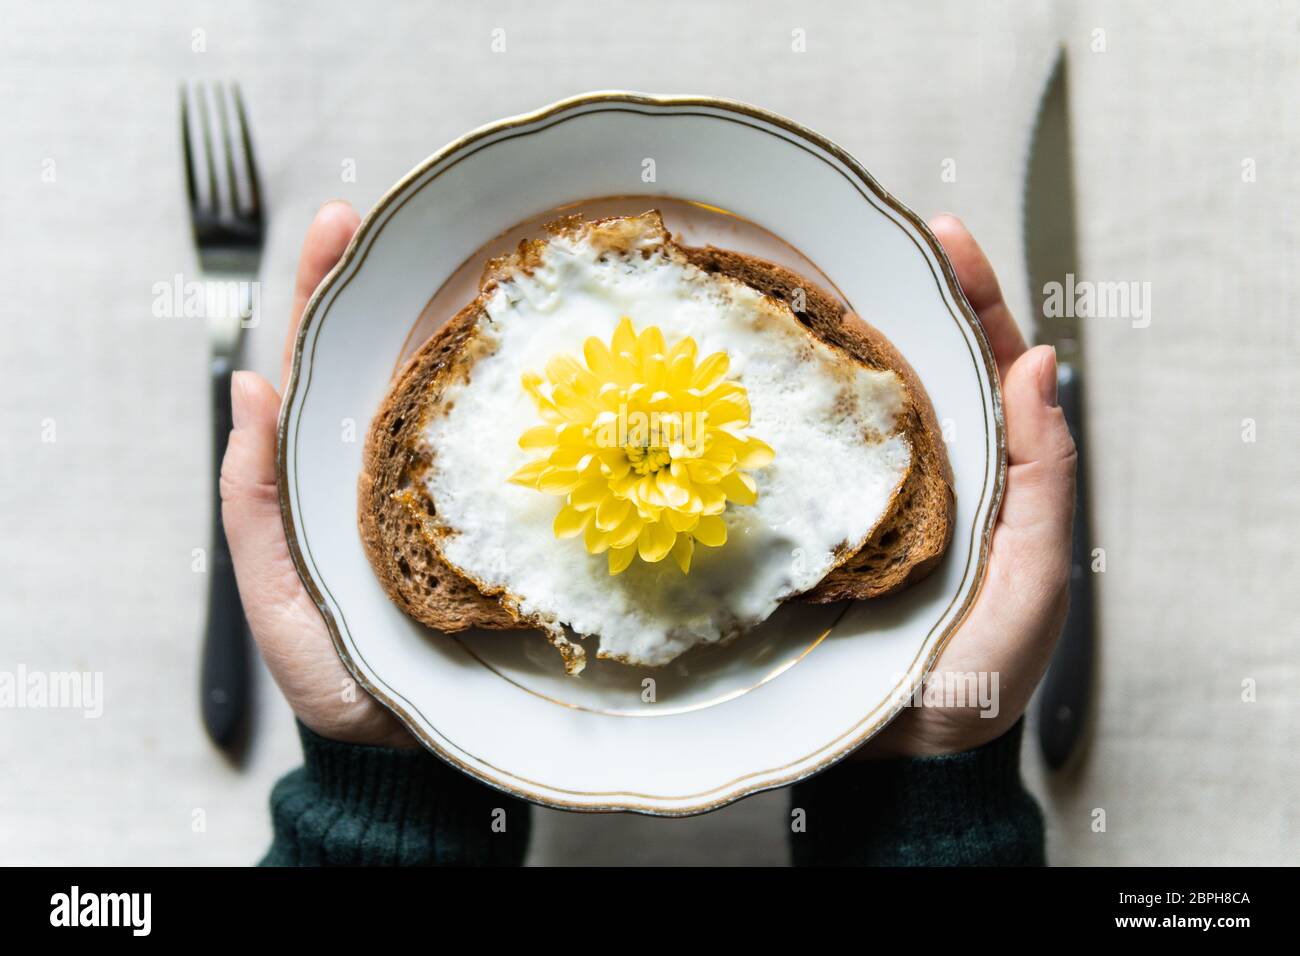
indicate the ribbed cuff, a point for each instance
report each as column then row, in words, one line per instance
column 356, row 805
column 966, row 809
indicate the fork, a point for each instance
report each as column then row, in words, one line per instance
column 229, row 228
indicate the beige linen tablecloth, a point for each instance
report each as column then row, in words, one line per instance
column 1185, row 128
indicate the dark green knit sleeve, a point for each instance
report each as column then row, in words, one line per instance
column 353, row 805
column 967, row 809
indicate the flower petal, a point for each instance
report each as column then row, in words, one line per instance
column 655, row 370
column 655, row 541
column 711, row 531
column 724, row 413
column 558, row 481
column 672, row 491
column 683, row 347
column 682, row 520
column 651, row 342
column 624, row 339
column 647, row 489
column 532, row 383
column 683, row 549
column 541, row 436
column 721, row 451
column 739, row 487
column 712, row 499
column 530, row 473
column 597, row 541
column 568, row 456
column 625, row 485
column 620, row 558
column 722, row 391
column 705, row 472
column 570, row 522
column 599, row 359
column 611, row 512
column 756, row 454
column 571, row 433
column 681, row 369
column 574, row 404
column 710, row 372
column 626, row 533
column 589, row 494
column 565, row 369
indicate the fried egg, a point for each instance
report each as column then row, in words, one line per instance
column 833, row 425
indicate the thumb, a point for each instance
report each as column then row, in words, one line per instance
column 249, row 496
column 1039, row 500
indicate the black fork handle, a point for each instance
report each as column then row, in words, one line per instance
column 1066, row 693
column 223, row 679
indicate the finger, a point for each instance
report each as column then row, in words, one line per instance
column 327, row 237
column 1039, row 497
column 980, row 285
column 1017, row 619
column 268, row 581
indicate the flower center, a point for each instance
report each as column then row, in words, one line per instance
column 647, row 460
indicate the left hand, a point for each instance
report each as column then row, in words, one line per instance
column 285, row 621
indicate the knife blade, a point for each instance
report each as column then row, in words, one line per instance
column 1051, row 249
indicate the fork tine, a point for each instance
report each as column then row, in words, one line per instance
column 214, row 197
column 254, row 189
column 223, row 115
column 190, row 185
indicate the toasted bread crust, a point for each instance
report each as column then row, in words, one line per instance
column 395, row 512
column 912, row 538
column 393, row 506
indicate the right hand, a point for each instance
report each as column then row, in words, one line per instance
column 1016, row 620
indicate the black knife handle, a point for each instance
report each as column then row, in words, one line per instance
column 223, row 680
column 1067, row 689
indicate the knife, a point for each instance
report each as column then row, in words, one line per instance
column 1050, row 244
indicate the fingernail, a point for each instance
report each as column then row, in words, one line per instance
column 239, row 398
column 1047, row 378
column 332, row 202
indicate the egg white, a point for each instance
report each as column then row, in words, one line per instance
column 833, row 424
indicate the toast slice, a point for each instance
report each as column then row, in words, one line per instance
column 396, row 513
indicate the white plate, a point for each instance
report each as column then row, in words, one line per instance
column 776, row 706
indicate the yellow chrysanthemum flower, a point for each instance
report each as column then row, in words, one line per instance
column 646, row 443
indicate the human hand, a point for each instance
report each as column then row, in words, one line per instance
column 284, row 619
column 1018, row 615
